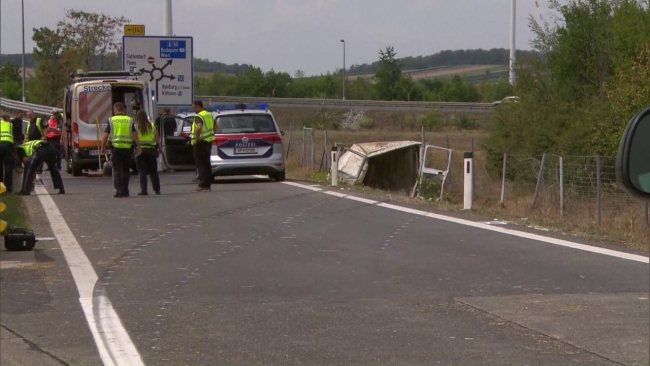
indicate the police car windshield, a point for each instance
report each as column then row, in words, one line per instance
column 245, row 123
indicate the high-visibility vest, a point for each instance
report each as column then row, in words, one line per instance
column 207, row 131
column 53, row 129
column 38, row 125
column 30, row 147
column 6, row 134
column 147, row 140
column 121, row 126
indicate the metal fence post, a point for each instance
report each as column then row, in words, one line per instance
column 539, row 179
column 311, row 166
column 503, row 178
column 598, row 190
column 561, row 187
column 327, row 157
column 449, row 176
column 290, row 138
column 302, row 153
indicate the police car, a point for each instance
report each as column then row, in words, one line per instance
column 247, row 141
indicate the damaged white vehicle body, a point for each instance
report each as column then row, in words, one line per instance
column 394, row 165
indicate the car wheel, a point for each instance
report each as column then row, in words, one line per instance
column 77, row 170
column 278, row 177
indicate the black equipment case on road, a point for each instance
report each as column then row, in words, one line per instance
column 19, row 239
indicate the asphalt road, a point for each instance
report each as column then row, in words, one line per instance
column 264, row 273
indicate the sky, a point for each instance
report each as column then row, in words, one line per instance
column 290, row 35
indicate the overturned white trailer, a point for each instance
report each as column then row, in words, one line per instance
column 393, row 165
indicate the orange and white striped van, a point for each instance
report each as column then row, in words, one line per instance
column 87, row 106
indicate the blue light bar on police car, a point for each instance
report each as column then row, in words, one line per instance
column 184, row 110
column 233, row 106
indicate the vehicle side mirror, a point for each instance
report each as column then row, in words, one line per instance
column 282, row 133
column 633, row 160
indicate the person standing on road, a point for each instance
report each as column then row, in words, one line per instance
column 122, row 134
column 33, row 154
column 146, row 161
column 54, row 135
column 19, row 137
column 17, row 123
column 37, row 127
column 201, row 139
column 6, row 153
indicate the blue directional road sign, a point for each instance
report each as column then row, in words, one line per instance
column 170, row 48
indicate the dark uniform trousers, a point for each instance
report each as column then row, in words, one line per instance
column 202, row 152
column 7, row 164
column 121, row 160
column 44, row 153
column 147, row 164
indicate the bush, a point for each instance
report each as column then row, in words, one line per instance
column 430, row 120
column 465, row 123
column 366, row 123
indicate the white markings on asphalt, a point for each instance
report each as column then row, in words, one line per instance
column 46, row 238
column 303, row 186
column 494, row 223
column 490, row 227
column 113, row 342
column 350, row 197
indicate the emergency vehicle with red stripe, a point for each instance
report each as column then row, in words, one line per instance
column 88, row 102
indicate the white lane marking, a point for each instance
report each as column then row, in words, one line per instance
column 113, row 342
column 303, row 186
column 354, row 198
column 479, row 225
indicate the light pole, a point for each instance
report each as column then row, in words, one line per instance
column 343, row 41
column 512, row 41
column 23, row 11
column 169, row 30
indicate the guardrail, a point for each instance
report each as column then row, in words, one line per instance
column 16, row 105
column 348, row 104
column 303, row 102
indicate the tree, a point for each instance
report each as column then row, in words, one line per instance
column 299, row 74
column 592, row 77
column 92, row 36
column 10, row 81
column 53, row 66
column 10, row 72
column 388, row 75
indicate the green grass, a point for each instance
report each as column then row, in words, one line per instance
column 14, row 214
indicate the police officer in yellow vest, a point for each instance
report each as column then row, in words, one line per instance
column 201, row 139
column 122, row 135
column 147, row 160
column 6, row 153
column 37, row 127
column 33, row 154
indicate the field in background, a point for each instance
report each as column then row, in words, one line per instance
column 622, row 218
column 474, row 73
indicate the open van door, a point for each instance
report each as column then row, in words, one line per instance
column 177, row 151
column 151, row 104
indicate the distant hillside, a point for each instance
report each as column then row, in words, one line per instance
column 434, row 65
column 495, row 56
column 114, row 62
